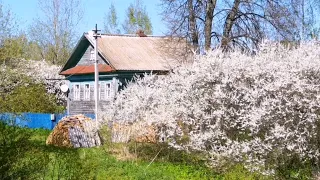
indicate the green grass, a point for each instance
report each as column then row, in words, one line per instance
column 35, row 160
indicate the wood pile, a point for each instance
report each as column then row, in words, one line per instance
column 137, row 132
column 74, row 131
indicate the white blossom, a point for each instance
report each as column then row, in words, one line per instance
column 246, row 108
column 38, row 71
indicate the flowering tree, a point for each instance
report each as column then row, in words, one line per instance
column 239, row 107
column 44, row 72
column 25, row 72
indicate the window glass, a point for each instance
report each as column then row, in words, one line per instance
column 108, row 91
column 86, row 92
column 76, row 92
column 92, row 55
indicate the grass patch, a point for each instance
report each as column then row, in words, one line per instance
column 24, row 155
column 27, row 157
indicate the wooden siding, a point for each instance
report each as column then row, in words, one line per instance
column 87, row 106
column 85, row 59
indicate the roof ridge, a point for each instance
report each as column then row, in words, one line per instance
column 129, row 35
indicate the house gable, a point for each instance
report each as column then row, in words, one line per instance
column 81, row 55
column 85, row 59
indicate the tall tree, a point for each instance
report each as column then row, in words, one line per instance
column 307, row 14
column 111, row 24
column 182, row 18
column 8, row 24
column 228, row 23
column 137, row 19
column 55, row 28
column 193, row 26
column 230, row 19
column 211, row 5
column 12, row 42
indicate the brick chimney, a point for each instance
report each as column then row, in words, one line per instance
column 140, row 33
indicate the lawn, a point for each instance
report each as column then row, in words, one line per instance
column 24, row 155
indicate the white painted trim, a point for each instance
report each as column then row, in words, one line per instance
column 86, row 92
column 107, row 96
column 76, row 98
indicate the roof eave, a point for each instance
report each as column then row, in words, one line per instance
column 73, row 51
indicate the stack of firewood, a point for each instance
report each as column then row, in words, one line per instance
column 74, row 131
column 136, row 132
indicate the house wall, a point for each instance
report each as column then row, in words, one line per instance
column 85, row 59
column 118, row 80
column 83, row 106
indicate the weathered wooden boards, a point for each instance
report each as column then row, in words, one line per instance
column 74, row 131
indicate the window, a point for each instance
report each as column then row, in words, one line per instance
column 107, row 91
column 86, row 92
column 92, row 55
column 76, row 92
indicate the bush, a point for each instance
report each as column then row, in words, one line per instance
column 31, row 98
column 236, row 107
column 293, row 168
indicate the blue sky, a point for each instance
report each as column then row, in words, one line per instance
column 26, row 10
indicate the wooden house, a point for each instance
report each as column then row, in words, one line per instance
column 121, row 57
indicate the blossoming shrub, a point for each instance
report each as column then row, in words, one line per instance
column 46, row 73
column 249, row 109
column 23, row 72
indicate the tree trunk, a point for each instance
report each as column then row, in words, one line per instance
column 192, row 27
column 211, row 5
column 229, row 23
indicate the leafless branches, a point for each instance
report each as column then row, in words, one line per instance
column 231, row 23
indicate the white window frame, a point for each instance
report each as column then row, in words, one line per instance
column 76, row 92
column 107, row 91
column 86, row 92
column 92, row 55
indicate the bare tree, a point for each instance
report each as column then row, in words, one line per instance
column 242, row 23
column 211, row 5
column 182, row 18
column 8, row 24
column 307, row 15
column 13, row 43
column 55, row 28
column 193, row 25
column 231, row 17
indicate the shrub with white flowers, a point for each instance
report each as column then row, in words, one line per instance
column 251, row 109
column 38, row 71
